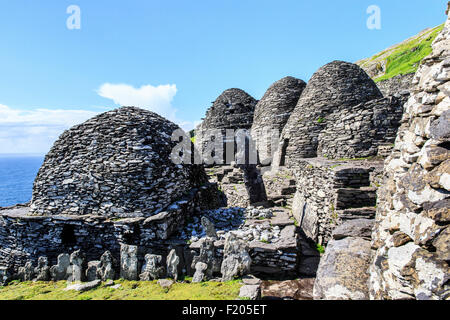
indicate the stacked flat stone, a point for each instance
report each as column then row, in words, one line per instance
column 273, row 111
column 412, row 233
column 332, row 93
column 233, row 109
column 116, row 164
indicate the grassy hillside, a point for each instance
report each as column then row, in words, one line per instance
column 403, row 58
column 130, row 290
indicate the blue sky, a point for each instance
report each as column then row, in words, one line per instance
column 175, row 57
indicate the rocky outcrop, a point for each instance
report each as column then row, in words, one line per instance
column 272, row 112
column 411, row 232
column 116, row 164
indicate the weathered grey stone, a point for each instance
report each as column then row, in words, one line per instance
column 76, row 268
column 209, row 227
column 26, row 273
column 361, row 228
column 343, row 270
column 92, row 271
column 165, row 283
column 82, row 287
column 152, row 269
column 207, row 255
column 128, row 262
column 251, row 292
column 300, row 289
column 60, row 270
column 200, row 270
column 42, row 271
column 172, row 264
column 5, row 276
column 105, row 270
column 236, row 260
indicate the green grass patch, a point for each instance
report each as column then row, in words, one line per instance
column 407, row 57
column 320, row 248
column 130, row 290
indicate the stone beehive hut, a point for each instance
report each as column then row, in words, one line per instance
column 273, row 111
column 233, row 109
column 116, row 164
column 333, row 111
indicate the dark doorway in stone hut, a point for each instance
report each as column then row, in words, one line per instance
column 68, row 235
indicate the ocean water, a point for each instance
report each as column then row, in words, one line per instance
column 17, row 173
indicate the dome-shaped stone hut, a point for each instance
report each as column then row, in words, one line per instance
column 233, row 109
column 341, row 113
column 116, row 164
column 273, row 111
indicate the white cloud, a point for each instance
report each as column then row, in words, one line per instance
column 157, row 99
column 34, row 131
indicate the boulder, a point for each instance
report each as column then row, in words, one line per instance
column 343, row 270
column 82, row 287
column 250, row 292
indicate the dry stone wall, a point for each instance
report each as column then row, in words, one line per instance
column 411, row 235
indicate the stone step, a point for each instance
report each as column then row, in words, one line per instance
column 288, row 190
column 347, row 198
column 357, row 213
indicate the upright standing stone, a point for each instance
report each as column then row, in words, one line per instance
column 152, row 269
column 106, row 268
column 236, row 260
column 26, row 273
column 172, row 265
column 128, row 262
column 200, row 270
column 209, row 227
column 59, row 271
column 42, row 271
column 207, row 255
column 76, row 266
column 92, row 272
column 5, row 276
